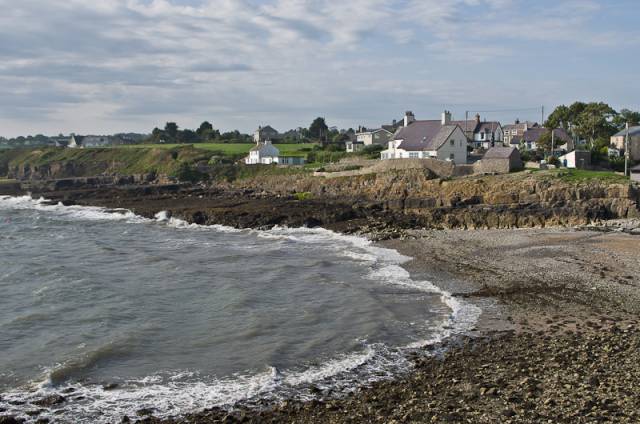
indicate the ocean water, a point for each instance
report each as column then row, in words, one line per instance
column 119, row 313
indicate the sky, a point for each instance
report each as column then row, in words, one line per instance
column 108, row 66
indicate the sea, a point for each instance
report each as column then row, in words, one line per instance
column 119, row 313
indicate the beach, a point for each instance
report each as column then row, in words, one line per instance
column 557, row 340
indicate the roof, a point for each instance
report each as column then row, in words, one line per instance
column 632, row 131
column 424, row 135
column 474, row 126
column 265, row 149
column 532, row 135
column 268, row 128
column 499, row 153
column 374, row 131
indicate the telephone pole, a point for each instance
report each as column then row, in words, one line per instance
column 626, row 150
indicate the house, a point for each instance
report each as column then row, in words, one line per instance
column 78, row 141
column 266, row 133
column 365, row 138
column 635, row 173
column 481, row 134
column 517, row 129
column 580, row 159
column 263, row 153
column 529, row 140
column 499, row 160
column 618, row 141
column 436, row 139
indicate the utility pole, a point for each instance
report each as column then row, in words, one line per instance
column 553, row 141
column 626, row 150
column 542, row 122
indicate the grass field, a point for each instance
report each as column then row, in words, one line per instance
column 231, row 148
column 577, row 175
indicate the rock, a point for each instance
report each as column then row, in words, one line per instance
column 145, row 412
column 9, row 419
column 51, row 400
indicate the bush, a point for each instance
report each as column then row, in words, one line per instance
column 188, row 173
column 553, row 160
column 303, row 196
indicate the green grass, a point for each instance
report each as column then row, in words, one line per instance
column 579, row 175
column 231, row 149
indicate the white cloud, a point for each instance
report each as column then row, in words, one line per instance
column 102, row 65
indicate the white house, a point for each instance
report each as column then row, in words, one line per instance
column 263, row 153
column 434, row 139
column 576, row 159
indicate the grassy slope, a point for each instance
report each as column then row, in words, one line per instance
column 230, row 148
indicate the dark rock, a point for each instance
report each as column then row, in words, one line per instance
column 50, row 401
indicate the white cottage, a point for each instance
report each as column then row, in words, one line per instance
column 433, row 139
column 262, row 153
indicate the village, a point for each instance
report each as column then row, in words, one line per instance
column 602, row 140
column 477, row 145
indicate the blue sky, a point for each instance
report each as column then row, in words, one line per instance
column 129, row 65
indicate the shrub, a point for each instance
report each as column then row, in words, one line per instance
column 303, row 196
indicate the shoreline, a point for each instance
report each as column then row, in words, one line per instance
column 545, row 319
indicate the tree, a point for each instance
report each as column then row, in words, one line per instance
column 626, row 115
column 590, row 121
column 318, row 129
column 188, row 136
column 205, row 130
column 171, row 129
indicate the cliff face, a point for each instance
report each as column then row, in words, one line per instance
column 505, row 201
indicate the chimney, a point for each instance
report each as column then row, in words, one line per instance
column 517, row 121
column 446, row 117
column 477, row 118
column 408, row 118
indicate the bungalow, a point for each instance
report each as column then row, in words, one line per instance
column 266, row 133
column 262, row 153
column 365, row 138
column 618, row 141
column 434, row 139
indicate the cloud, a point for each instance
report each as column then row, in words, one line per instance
column 247, row 61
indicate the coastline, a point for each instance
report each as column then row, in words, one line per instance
column 534, row 339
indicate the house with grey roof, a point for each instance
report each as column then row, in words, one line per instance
column 263, row 153
column 481, row 134
column 266, row 133
column 618, row 141
column 364, row 138
column 436, row 139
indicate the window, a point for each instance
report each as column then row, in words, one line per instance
column 414, row 155
column 481, row 136
column 452, row 156
column 453, row 142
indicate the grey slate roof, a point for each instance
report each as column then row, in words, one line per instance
column 632, row 131
column 500, row 153
column 424, row 135
column 532, row 135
